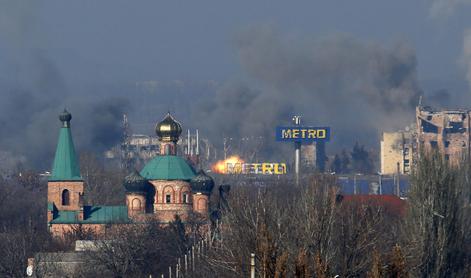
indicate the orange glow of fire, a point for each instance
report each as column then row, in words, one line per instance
column 221, row 166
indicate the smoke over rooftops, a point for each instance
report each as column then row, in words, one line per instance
column 357, row 87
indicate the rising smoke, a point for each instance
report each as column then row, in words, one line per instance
column 445, row 8
column 33, row 92
column 467, row 54
column 358, row 88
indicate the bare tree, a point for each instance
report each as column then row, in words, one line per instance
column 138, row 250
column 103, row 185
column 298, row 231
column 437, row 225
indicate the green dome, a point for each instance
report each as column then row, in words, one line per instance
column 168, row 167
column 136, row 183
column 202, row 183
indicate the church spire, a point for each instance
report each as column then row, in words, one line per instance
column 65, row 167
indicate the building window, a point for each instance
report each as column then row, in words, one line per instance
column 168, row 198
column 447, row 143
column 65, row 197
column 185, row 198
column 136, row 204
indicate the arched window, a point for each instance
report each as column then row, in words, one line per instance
column 168, row 195
column 136, row 204
column 65, row 197
column 185, row 198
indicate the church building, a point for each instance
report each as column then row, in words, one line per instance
column 167, row 186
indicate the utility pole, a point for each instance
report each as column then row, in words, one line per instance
column 297, row 150
column 188, row 145
column 398, row 180
column 252, row 265
column 380, row 184
column 355, row 184
column 227, row 146
column 197, row 151
column 125, row 142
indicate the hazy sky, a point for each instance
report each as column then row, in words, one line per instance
column 146, row 40
column 260, row 59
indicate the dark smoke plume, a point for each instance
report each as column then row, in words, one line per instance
column 358, row 88
column 33, row 92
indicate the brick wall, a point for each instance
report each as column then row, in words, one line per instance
column 55, row 190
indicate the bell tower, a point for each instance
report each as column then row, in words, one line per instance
column 201, row 185
column 65, row 186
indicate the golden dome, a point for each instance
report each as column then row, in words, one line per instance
column 168, row 130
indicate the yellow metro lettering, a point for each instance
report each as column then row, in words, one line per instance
column 312, row 133
column 286, row 133
column 267, row 168
column 303, row 133
column 321, row 133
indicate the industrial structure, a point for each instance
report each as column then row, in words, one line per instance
column 167, row 186
column 136, row 150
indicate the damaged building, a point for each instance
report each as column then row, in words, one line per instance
column 446, row 131
column 313, row 156
column 397, row 152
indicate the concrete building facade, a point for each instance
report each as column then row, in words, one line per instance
column 446, row 131
column 397, row 152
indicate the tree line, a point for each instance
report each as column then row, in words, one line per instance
column 309, row 230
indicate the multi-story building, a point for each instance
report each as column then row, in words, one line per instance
column 397, row 152
column 446, row 131
column 313, row 156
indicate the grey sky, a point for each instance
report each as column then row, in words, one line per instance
column 88, row 55
column 192, row 39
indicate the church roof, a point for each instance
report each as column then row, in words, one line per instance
column 93, row 215
column 169, row 129
column 65, row 166
column 202, row 183
column 168, row 167
column 134, row 182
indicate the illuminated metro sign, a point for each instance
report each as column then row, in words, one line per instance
column 302, row 134
column 256, row 168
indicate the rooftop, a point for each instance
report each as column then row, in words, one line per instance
column 65, row 166
column 93, row 215
column 168, row 167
